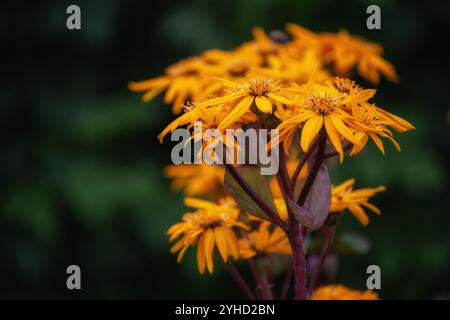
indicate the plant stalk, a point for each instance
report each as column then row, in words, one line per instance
column 295, row 231
column 239, row 280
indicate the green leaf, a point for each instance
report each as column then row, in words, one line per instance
column 258, row 182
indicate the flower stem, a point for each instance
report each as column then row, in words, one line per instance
column 239, row 280
column 255, row 197
column 295, row 231
column 323, row 254
column 298, row 261
column 301, row 164
column 335, row 153
column 283, row 173
column 263, row 286
column 287, row 282
column 314, row 168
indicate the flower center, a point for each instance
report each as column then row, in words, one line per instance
column 206, row 219
column 345, row 85
column 260, row 86
column 323, row 103
column 368, row 118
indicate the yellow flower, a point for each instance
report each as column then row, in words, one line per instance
column 367, row 120
column 344, row 197
column 264, row 240
column 399, row 124
column 265, row 48
column 294, row 68
column 306, row 39
column 261, row 91
column 339, row 292
column 367, row 124
column 350, row 51
column 183, row 81
column 346, row 52
column 210, row 119
column 232, row 65
column 209, row 226
column 319, row 106
column 195, row 180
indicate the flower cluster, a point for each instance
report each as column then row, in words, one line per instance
column 297, row 83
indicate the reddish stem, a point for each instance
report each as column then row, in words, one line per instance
column 239, row 280
column 287, row 281
column 263, row 286
column 335, row 153
column 295, row 232
column 301, row 164
column 323, row 254
column 255, row 197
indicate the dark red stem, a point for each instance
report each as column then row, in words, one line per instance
column 239, row 280
column 295, row 231
column 301, row 164
column 323, row 254
column 287, row 281
column 255, row 197
column 335, row 153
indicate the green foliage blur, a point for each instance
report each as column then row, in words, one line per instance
column 81, row 179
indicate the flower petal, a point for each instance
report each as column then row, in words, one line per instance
column 342, row 129
column 378, row 142
column 334, row 137
column 209, row 248
column 359, row 214
column 220, row 100
column 263, row 104
column 201, row 254
column 241, row 108
column 310, row 130
column 280, row 99
column 221, row 242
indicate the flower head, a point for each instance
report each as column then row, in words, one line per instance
column 182, row 82
column 209, row 226
column 264, row 92
column 210, row 118
column 346, row 52
column 350, row 51
column 319, row 106
column 344, row 197
column 368, row 120
column 264, row 239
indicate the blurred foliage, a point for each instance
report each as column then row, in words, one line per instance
column 81, row 179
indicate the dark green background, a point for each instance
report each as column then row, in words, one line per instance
column 81, row 179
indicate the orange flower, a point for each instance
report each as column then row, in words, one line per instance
column 264, row 240
column 261, row 91
column 210, row 226
column 339, row 292
column 344, row 197
column 183, row 81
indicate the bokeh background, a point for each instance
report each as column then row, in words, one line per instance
column 80, row 167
